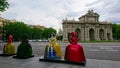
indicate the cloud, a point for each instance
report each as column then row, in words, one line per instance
column 50, row 13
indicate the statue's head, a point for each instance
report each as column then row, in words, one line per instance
column 73, row 39
column 53, row 35
column 73, row 34
column 10, row 38
column 25, row 38
column 52, row 39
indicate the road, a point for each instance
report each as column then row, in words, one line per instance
column 102, row 51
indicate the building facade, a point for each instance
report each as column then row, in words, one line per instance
column 88, row 28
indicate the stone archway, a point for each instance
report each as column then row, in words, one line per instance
column 108, row 36
column 101, row 34
column 91, row 34
column 68, row 35
column 78, row 33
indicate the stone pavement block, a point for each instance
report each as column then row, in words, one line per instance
column 104, row 63
column 91, row 64
column 40, row 64
column 5, row 59
column 20, row 62
column 24, row 62
column 5, row 65
column 116, row 64
column 60, row 65
column 37, row 64
column 9, row 62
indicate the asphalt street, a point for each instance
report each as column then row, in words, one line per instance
column 102, row 51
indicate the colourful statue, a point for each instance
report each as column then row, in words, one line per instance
column 74, row 51
column 24, row 49
column 9, row 48
column 52, row 50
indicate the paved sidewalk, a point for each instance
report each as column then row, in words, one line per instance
column 9, row 62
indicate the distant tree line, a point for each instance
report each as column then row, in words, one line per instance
column 18, row 29
column 116, row 31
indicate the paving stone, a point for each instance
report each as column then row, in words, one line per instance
column 9, row 62
column 5, row 65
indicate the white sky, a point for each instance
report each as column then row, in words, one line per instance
column 49, row 13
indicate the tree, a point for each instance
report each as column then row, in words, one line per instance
column 47, row 32
column 3, row 5
column 17, row 29
column 37, row 33
column 60, row 37
column 116, row 31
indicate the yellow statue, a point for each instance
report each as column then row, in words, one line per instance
column 9, row 48
column 53, row 47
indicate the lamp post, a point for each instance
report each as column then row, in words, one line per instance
column 3, row 32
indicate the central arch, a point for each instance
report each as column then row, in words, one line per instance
column 92, row 34
column 101, row 34
column 78, row 33
column 108, row 36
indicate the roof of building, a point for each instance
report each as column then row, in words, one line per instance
column 90, row 13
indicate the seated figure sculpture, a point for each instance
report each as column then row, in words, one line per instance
column 74, row 51
column 9, row 48
column 24, row 49
column 52, row 50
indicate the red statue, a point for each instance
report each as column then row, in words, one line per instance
column 74, row 51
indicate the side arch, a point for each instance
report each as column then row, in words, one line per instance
column 91, row 34
column 78, row 31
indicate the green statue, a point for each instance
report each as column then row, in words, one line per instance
column 24, row 49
